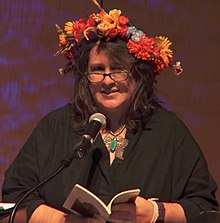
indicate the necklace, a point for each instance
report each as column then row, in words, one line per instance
column 117, row 133
column 116, row 144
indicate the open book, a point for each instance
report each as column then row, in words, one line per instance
column 82, row 201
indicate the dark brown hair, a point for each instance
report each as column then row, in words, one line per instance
column 143, row 100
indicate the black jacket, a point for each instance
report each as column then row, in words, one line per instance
column 162, row 159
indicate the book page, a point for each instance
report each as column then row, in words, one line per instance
column 84, row 202
column 124, row 197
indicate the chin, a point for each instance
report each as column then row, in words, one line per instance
column 111, row 108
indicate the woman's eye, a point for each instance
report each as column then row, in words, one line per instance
column 98, row 68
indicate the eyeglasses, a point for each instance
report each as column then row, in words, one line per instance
column 98, row 77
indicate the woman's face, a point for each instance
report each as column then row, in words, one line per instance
column 109, row 96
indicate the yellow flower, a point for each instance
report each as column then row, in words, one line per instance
column 69, row 27
column 165, row 52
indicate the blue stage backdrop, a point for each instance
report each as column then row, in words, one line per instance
column 30, row 85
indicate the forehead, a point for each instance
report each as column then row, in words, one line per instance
column 99, row 56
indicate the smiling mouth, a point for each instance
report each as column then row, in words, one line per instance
column 110, row 92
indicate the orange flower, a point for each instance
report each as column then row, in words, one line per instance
column 62, row 39
column 110, row 23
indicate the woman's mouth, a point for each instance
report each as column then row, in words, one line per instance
column 110, row 93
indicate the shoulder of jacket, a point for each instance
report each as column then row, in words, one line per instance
column 163, row 114
column 64, row 111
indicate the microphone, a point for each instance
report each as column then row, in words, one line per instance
column 97, row 121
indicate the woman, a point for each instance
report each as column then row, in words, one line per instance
column 143, row 145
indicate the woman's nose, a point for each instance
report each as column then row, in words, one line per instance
column 107, row 79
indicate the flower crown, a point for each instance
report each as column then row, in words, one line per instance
column 114, row 25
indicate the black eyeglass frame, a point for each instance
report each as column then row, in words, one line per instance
column 127, row 72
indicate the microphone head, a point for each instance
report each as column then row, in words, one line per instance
column 98, row 117
column 97, row 121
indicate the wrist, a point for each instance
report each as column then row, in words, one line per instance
column 161, row 212
column 158, row 211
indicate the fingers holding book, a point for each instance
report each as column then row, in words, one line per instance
column 139, row 211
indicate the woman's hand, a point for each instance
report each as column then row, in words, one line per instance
column 72, row 218
column 141, row 211
column 46, row 214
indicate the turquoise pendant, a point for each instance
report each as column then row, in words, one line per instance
column 113, row 145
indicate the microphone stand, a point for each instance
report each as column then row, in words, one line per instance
column 80, row 150
column 64, row 163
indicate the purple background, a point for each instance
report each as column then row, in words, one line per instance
column 30, row 85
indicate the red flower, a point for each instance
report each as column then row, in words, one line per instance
column 113, row 32
column 69, row 54
column 90, row 22
column 123, row 20
column 79, row 27
column 123, row 30
column 143, row 49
